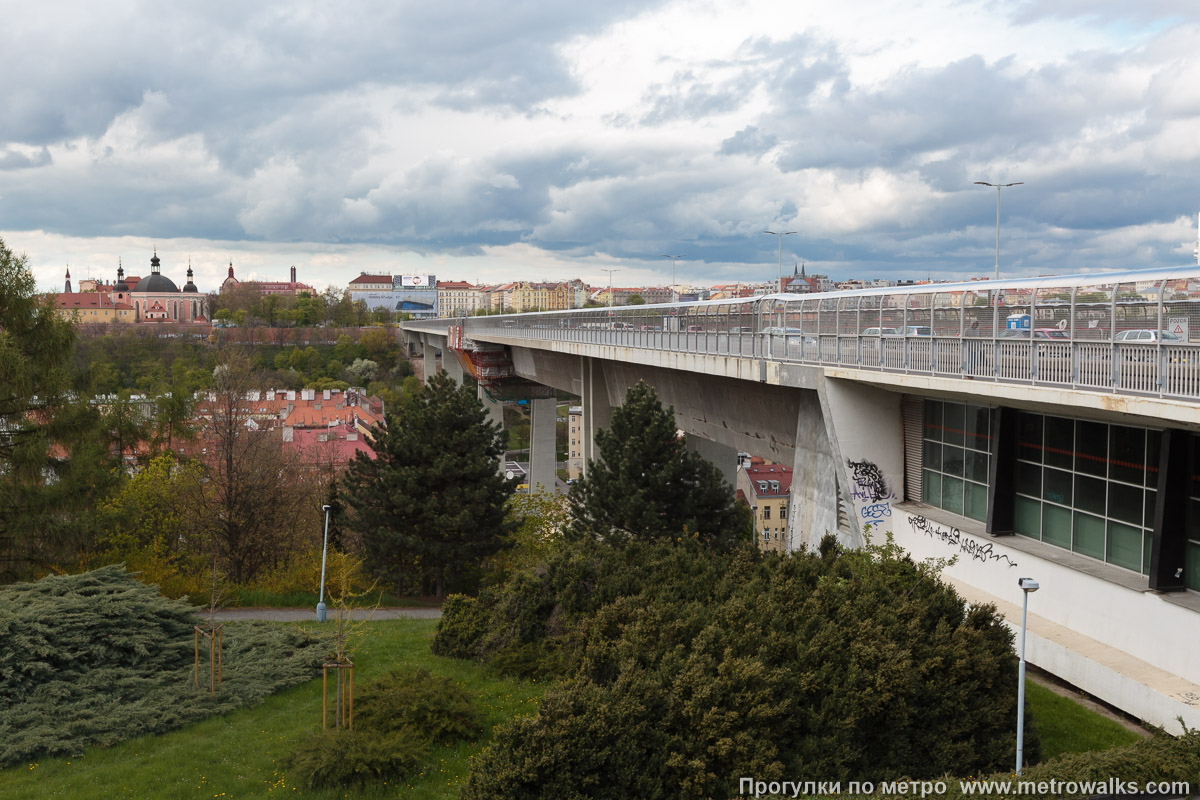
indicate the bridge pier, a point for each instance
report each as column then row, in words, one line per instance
column 495, row 412
column 721, row 456
column 597, row 408
column 452, row 365
column 429, row 354
column 543, row 474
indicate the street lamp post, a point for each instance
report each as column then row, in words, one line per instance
column 780, row 234
column 610, row 271
column 324, row 548
column 1028, row 586
column 998, row 187
column 674, row 297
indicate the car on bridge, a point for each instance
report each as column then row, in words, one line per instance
column 1147, row 336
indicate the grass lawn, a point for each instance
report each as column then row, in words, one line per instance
column 236, row 755
column 1065, row 726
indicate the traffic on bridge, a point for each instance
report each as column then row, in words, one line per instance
column 1127, row 332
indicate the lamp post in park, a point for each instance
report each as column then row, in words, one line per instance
column 1028, row 586
column 324, row 549
column 781, row 234
column 674, row 297
column 998, row 187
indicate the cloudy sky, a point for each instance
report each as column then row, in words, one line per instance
column 543, row 139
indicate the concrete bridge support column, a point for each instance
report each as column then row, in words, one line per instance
column 814, row 504
column 722, row 456
column 597, row 408
column 452, row 365
column 495, row 412
column 543, row 476
column 430, row 358
column 411, row 341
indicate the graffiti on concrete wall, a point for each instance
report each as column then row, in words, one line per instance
column 871, row 490
column 972, row 548
column 869, row 485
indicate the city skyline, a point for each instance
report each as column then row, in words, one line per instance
column 547, row 142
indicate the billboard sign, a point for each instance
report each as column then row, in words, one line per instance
column 414, row 282
column 418, row 302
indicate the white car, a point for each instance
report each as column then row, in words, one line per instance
column 1147, row 336
column 878, row 332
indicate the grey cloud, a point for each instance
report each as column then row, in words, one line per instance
column 12, row 159
column 748, row 141
column 689, row 98
column 221, row 60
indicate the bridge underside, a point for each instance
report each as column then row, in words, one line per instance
column 868, row 452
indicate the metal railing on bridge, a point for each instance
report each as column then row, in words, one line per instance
column 1124, row 332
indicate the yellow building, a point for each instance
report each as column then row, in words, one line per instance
column 94, row 307
column 767, row 488
column 526, row 296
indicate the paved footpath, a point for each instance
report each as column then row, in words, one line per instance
column 310, row 614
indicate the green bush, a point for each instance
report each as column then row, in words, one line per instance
column 397, row 719
column 97, row 658
column 695, row 668
column 1160, row 758
column 529, row 625
column 463, row 623
column 420, row 702
column 545, row 756
column 342, row 757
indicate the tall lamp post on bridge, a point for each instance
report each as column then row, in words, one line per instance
column 781, row 234
column 610, row 271
column 674, row 296
column 324, row 549
column 998, row 187
column 1028, row 587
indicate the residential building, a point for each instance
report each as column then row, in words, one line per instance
column 767, row 488
column 575, row 443
column 459, row 299
column 371, row 283
column 500, row 297
column 94, row 307
column 621, row 295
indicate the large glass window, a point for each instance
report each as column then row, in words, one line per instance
column 957, row 441
column 1191, row 558
column 1087, row 486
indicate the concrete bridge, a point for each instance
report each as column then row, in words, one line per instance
column 1042, row 427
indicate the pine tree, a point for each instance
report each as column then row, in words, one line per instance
column 648, row 485
column 55, row 459
column 431, row 504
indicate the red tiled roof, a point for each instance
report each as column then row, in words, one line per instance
column 335, row 445
column 372, row 279
column 770, row 472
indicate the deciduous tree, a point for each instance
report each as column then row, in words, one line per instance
column 256, row 506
